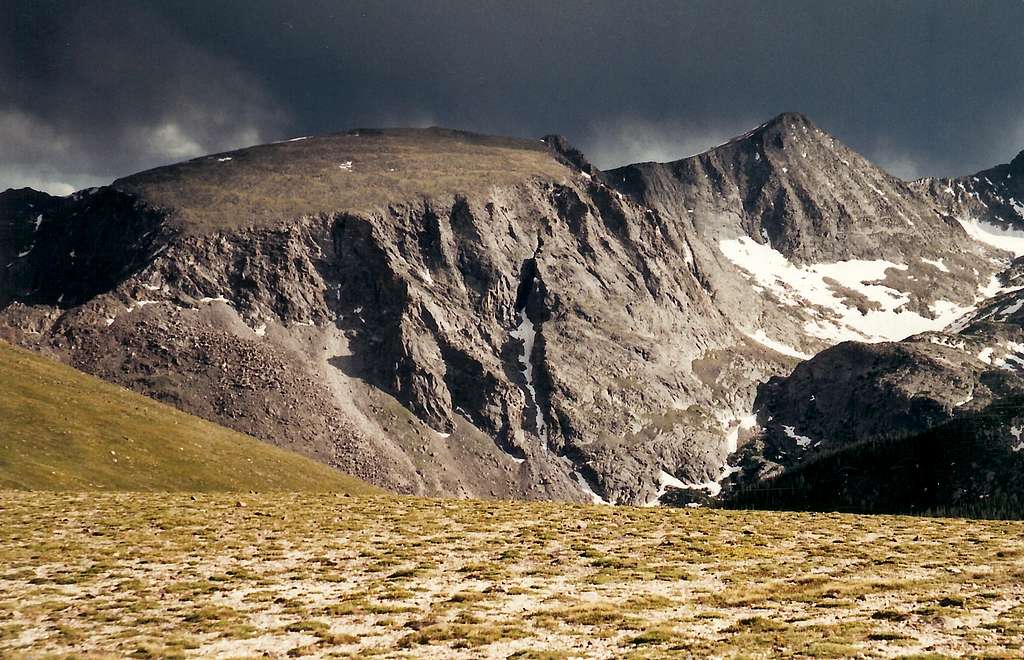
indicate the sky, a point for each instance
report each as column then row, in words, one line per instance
column 95, row 89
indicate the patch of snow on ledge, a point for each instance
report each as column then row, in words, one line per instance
column 762, row 338
column 801, row 440
column 714, row 488
column 585, row 486
column 666, row 481
column 1004, row 239
column 806, row 287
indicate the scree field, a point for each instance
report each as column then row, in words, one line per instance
column 166, row 575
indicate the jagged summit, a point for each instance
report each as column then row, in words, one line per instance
column 994, row 196
column 783, row 123
column 792, row 185
column 569, row 154
column 1016, row 167
column 789, row 118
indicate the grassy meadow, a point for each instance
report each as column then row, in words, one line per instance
column 130, row 529
column 296, row 575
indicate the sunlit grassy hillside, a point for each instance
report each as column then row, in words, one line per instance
column 157, row 575
column 61, row 429
column 359, row 171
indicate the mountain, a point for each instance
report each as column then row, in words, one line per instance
column 65, row 430
column 994, row 196
column 434, row 311
column 440, row 312
column 804, row 243
column 946, row 401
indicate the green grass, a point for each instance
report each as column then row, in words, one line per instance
column 280, row 182
column 65, row 430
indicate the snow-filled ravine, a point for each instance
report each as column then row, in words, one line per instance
column 527, row 333
column 808, row 287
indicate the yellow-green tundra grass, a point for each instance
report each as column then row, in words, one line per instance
column 130, row 574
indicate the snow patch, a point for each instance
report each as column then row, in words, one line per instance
column 733, row 436
column 938, row 264
column 1009, row 240
column 526, row 332
column 762, row 338
column 345, row 166
column 712, row 487
column 665, row 481
column 585, row 486
column 802, row 440
column 835, row 320
column 141, row 303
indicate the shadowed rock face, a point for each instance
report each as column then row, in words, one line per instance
column 55, row 255
column 945, row 404
column 444, row 313
column 995, row 195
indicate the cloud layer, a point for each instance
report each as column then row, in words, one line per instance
column 93, row 90
column 100, row 90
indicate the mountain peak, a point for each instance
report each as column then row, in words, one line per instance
column 1017, row 165
column 790, row 120
column 567, row 153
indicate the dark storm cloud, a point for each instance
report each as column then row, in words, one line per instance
column 93, row 90
column 98, row 90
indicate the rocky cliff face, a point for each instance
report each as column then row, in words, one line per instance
column 815, row 245
column 445, row 313
column 994, row 196
column 543, row 336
